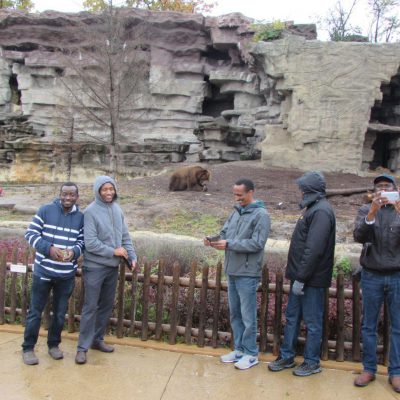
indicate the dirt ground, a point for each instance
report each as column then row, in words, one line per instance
column 148, row 205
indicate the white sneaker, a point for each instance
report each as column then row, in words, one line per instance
column 232, row 357
column 246, row 362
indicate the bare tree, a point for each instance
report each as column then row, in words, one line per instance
column 106, row 77
column 338, row 19
column 383, row 24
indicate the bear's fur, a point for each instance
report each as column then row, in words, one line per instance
column 189, row 178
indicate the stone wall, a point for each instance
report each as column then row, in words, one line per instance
column 326, row 93
column 200, row 73
column 211, row 94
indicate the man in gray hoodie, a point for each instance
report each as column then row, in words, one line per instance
column 107, row 240
column 243, row 238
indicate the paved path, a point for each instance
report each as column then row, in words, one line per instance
column 140, row 373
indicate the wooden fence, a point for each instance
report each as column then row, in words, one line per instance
column 193, row 308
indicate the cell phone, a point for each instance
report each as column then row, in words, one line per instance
column 214, row 238
column 391, row 196
column 128, row 262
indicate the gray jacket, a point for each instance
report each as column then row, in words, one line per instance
column 105, row 229
column 246, row 232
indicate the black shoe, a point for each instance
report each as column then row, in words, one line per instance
column 281, row 363
column 101, row 346
column 306, row 369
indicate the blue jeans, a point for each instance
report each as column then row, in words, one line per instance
column 375, row 289
column 62, row 290
column 243, row 312
column 310, row 308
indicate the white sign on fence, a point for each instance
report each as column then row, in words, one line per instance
column 18, row 268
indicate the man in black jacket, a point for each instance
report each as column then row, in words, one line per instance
column 377, row 227
column 309, row 268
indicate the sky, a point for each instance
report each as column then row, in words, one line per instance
column 298, row 11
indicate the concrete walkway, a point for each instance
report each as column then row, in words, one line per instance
column 148, row 370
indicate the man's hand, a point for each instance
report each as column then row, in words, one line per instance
column 377, row 202
column 219, row 244
column 121, row 252
column 297, row 288
column 134, row 264
column 70, row 255
column 56, row 254
column 206, row 242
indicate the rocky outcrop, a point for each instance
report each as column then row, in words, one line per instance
column 327, row 93
column 208, row 94
column 199, row 70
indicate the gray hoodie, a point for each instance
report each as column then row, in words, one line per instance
column 246, row 232
column 105, row 229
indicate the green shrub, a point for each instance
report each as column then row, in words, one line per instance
column 268, row 31
column 342, row 265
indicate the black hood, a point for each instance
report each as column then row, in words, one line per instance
column 313, row 185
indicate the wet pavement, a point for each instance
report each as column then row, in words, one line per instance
column 151, row 370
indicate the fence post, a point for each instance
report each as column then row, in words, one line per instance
column 121, row 302
column 174, row 302
column 217, row 296
column 325, row 330
column 190, row 303
column 264, row 309
column 340, row 317
column 278, row 313
column 3, row 272
column 24, row 289
column 203, row 306
column 145, row 303
column 356, row 336
column 132, row 311
column 13, row 288
column 160, row 299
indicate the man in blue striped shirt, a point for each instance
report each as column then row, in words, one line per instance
column 56, row 233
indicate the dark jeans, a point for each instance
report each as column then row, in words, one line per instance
column 375, row 289
column 310, row 308
column 62, row 290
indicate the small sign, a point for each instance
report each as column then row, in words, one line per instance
column 18, row 268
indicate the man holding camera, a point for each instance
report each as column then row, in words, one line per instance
column 377, row 227
column 243, row 238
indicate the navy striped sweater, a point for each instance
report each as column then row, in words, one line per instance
column 51, row 226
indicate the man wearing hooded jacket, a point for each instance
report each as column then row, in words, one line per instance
column 309, row 268
column 107, row 240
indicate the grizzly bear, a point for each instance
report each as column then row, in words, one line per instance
column 189, row 178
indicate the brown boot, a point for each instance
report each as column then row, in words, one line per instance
column 395, row 382
column 364, row 379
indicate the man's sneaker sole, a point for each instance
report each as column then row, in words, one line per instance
column 225, row 358
column 281, row 367
column 308, row 373
column 246, row 366
column 230, row 361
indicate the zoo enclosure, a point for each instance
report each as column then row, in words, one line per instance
column 152, row 305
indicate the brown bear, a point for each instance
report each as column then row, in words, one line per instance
column 189, row 178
